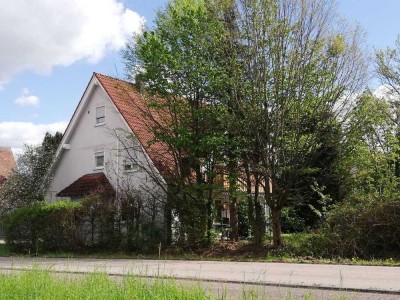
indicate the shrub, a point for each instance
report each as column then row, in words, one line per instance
column 366, row 230
column 99, row 220
column 93, row 223
column 308, row 244
column 44, row 227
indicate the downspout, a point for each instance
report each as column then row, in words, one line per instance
column 117, row 187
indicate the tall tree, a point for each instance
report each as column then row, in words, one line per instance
column 301, row 66
column 28, row 184
column 250, row 83
column 176, row 62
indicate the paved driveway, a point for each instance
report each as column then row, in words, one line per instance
column 340, row 277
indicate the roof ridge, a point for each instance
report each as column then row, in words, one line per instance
column 111, row 77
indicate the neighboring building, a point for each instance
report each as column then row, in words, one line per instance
column 7, row 163
column 107, row 145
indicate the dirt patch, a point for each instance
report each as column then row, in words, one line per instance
column 226, row 250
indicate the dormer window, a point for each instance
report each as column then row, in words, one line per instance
column 99, row 160
column 100, row 115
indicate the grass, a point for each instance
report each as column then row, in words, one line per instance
column 41, row 284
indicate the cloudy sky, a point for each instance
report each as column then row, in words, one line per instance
column 49, row 49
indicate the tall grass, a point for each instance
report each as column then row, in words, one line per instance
column 39, row 284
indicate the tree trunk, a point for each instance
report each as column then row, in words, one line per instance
column 250, row 202
column 168, row 218
column 209, row 215
column 259, row 225
column 233, row 218
column 276, row 228
column 233, row 206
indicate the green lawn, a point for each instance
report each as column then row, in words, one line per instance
column 39, row 284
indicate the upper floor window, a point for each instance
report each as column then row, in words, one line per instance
column 130, row 166
column 100, row 115
column 99, row 160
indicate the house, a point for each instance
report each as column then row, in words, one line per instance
column 7, row 163
column 107, row 145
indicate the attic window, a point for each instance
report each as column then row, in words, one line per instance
column 100, row 115
column 99, row 160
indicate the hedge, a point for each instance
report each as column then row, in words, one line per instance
column 90, row 224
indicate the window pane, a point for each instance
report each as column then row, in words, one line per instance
column 99, row 159
column 130, row 166
column 100, row 114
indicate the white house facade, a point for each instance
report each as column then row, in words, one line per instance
column 106, row 144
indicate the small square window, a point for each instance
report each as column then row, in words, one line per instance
column 130, row 166
column 99, row 160
column 100, row 115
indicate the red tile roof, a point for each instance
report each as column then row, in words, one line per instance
column 132, row 106
column 86, row 185
column 7, row 162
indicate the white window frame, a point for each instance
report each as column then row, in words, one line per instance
column 96, row 118
column 134, row 166
column 96, row 155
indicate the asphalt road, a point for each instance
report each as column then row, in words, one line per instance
column 357, row 280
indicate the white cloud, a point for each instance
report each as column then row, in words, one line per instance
column 38, row 35
column 26, row 99
column 16, row 134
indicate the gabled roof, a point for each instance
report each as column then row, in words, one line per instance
column 7, row 162
column 86, row 185
column 132, row 107
column 135, row 113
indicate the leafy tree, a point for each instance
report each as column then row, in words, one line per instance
column 300, row 69
column 370, row 149
column 250, row 84
column 28, row 184
column 177, row 62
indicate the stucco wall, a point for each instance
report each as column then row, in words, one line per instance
column 87, row 138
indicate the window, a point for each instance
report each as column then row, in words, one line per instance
column 99, row 160
column 100, row 115
column 130, row 166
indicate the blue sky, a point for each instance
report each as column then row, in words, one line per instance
column 48, row 53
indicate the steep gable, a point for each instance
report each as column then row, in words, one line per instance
column 7, row 162
column 132, row 107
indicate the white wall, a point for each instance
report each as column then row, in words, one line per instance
column 86, row 138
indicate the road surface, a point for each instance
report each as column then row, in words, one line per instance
column 256, row 275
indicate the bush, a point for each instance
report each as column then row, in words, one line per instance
column 317, row 245
column 44, row 227
column 93, row 223
column 366, row 230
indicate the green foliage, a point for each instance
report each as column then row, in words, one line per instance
column 44, row 227
column 315, row 245
column 366, row 228
column 91, row 224
column 99, row 218
column 251, row 103
column 292, row 220
column 179, row 61
column 28, row 184
column 370, row 151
